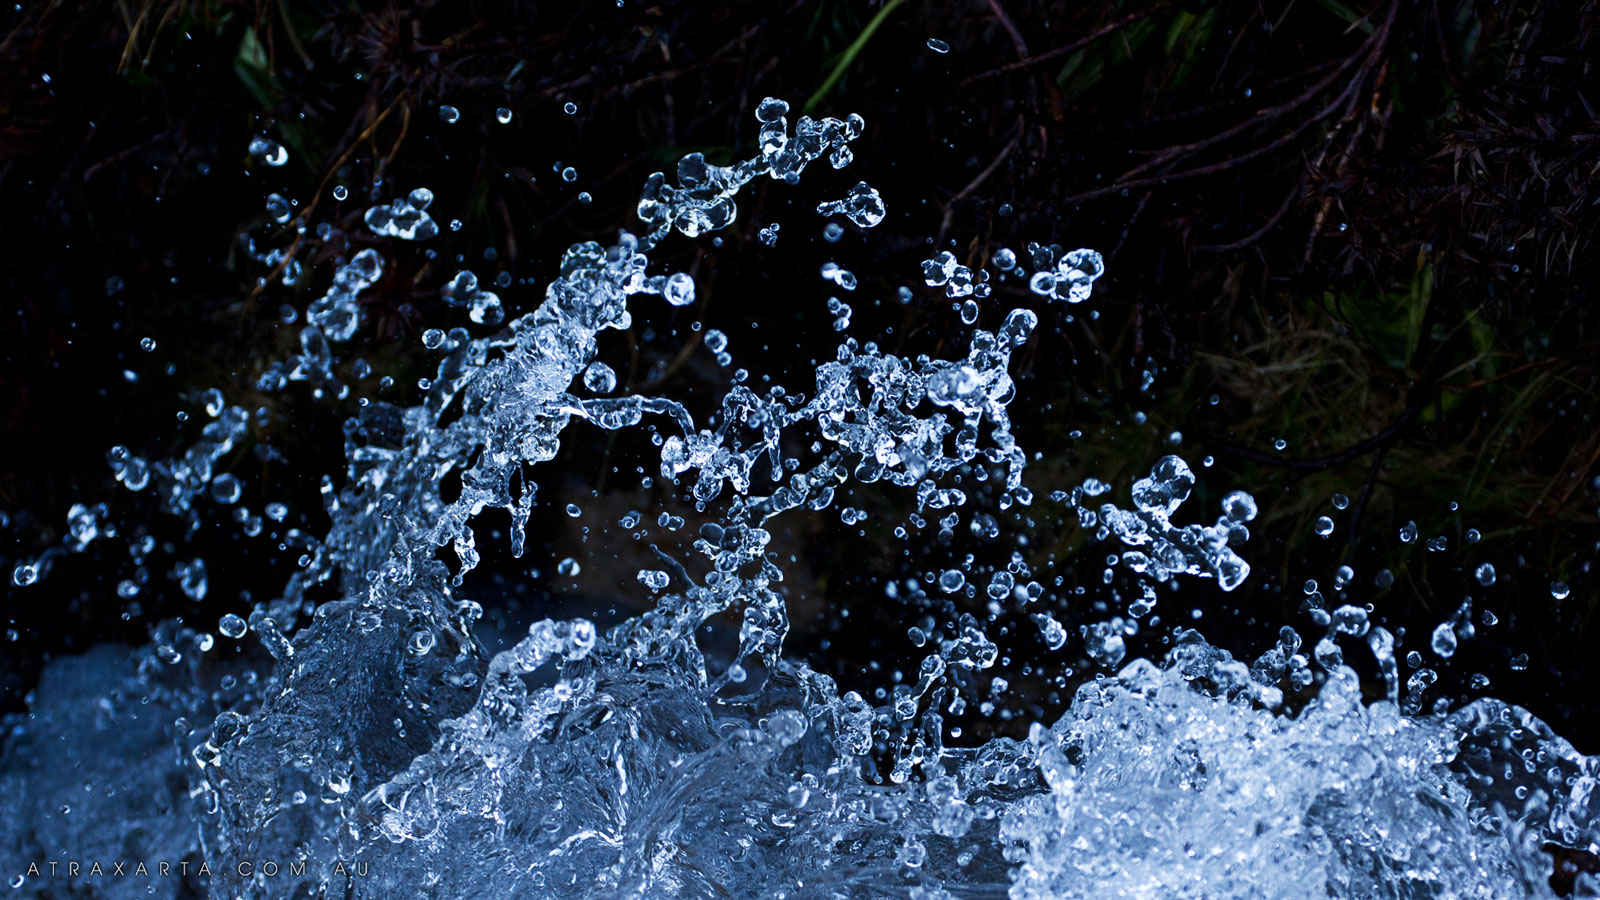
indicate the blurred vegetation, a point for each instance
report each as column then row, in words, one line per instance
column 1363, row 229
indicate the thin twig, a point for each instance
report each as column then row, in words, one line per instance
column 949, row 208
column 1076, row 45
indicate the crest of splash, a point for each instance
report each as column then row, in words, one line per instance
column 581, row 764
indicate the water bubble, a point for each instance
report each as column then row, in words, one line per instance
column 147, row 344
column 1485, row 574
column 1005, row 260
column 568, row 567
column 1323, row 527
column 449, row 114
column 570, row 108
column 951, row 580
column 574, row 510
column 938, row 46
column 569, row 174
column 433, row 339
column 1559, row 590
column 502, row 115
column 1280, row 444
column 340, row 192
column 1340, row 501
column 769, row 234
column 1519, row 662
column 1408, row 532
column 832, row 232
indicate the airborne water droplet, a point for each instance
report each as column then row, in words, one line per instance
column 1444, row 640
column 231, row 626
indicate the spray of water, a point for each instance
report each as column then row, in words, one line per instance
column 387, row 752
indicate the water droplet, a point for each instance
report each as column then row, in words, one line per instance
column 277, row 208
column 225, row 488
column 938, row 46
column 449, row 114
column 1324, row 526
column 502, row 115
column 1444, row 640
column 1485, row 574
column 268, row 151
column 231, row 626
column 24, row 574
column 600, row 378
column 1239, row 506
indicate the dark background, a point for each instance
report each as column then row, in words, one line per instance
column 1363, row 228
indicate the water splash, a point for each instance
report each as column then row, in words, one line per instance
column 384, row 750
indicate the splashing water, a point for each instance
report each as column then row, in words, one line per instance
column 388, row 752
